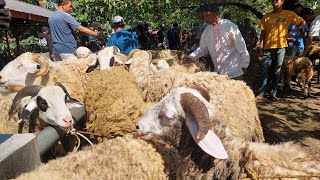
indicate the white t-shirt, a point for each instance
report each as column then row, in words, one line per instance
column 315, row 27
column 226, row 46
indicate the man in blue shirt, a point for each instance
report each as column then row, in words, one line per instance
column 125, row 40
column 61, row 26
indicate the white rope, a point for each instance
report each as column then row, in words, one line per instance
column 75, row 133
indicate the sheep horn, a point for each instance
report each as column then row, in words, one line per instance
column 195, row 107
column 26, row 91
column 43, row 62
column 65, row 90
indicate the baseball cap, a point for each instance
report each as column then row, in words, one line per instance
column 44, row 28
column 116, row 19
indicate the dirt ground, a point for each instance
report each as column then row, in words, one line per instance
column 292, row 118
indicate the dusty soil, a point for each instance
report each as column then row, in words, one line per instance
column 292, row 118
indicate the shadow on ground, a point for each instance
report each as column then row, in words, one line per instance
column 292, row 118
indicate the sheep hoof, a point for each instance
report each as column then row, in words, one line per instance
column 305, row 97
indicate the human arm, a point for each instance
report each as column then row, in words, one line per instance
column 87, row 31
column 314, row 32
column 261, row 44
column 301, row 23
column 202, row 50
column 49, row 42
column 307, row 45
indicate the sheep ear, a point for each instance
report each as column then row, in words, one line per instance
column 27, row 111
column 210, row 144
column 93, row 66
column 117, row 60
column 72, row 103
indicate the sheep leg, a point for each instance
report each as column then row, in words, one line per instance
column 305, row 88
column 309, row 88
column 289, row 82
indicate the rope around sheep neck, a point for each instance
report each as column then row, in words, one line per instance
column 76, row 133
column 255, row 176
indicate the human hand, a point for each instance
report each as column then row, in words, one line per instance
column 260, row 55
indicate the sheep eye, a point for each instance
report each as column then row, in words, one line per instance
column 20, row 66
column 42, row 104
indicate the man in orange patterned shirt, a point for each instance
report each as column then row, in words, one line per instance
column 274, row 27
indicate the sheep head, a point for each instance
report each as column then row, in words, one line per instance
column 187, row 104
column 105, row 59
column 83, row 52
column 17, row 71
column 53, row 103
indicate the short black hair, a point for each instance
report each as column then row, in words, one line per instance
column 306, row 12
column 62, row 2
column 210, row 8
column 175, row 24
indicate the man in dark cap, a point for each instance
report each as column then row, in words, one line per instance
column 45, row 42
column 224, row 42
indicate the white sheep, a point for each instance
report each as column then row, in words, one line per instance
column 185, row 120
column 235, row 99
column 106, row 58
column 302, row 68
column 119, row 158
column 85, row 54
column 36, row 69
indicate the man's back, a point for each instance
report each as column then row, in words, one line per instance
column 126, row 41
column 61, row 26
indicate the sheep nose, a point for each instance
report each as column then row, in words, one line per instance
column 67, row 120
column 137, row 127
column 38, row 66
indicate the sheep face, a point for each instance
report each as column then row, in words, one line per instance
column 53, row 103
column 83, row 52
column 187, row 104
column 157, row 121
column 16, row 71
column 105, row 59
column 24, row 69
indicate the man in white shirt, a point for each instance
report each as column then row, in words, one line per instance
column 225, row 44
column 314, row 29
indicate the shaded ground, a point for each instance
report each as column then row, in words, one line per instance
column 291, row 118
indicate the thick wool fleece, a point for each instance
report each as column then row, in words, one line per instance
column 120, row 158
column 114, row 102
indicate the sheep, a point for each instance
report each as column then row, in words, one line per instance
column 36, row 69
column 85, row 54
column 53, row 103
column 106, row 58
column 122, row 157
column 186, row 120
column 113, row 102
column 171, row 58
column 314, row 54
column 300, row 67
column 236, row 100
column 191, row 67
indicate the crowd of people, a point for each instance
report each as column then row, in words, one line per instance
column 224, row 45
